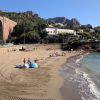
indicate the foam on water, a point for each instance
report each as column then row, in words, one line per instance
column 78, row 60
column 74, row 72
column 86, row 85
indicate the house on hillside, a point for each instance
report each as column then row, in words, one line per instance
column 56, row 31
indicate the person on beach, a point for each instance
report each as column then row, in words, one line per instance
column 29, row 62
column 26, row 65
column 35, row 65
column 24, row 61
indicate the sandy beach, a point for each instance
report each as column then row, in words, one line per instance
column 43, row 83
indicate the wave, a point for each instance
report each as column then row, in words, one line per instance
column 78, row 60
column 86, row 85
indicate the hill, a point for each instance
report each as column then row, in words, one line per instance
column 28, row 24
column 30, row 27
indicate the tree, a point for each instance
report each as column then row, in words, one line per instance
column 31, row 36
column 30, row 26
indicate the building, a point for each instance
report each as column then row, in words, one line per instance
column 92, row 30
column 56, row 31
column 80, row 31
column 6, row 27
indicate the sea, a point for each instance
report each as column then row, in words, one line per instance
column 85, row 71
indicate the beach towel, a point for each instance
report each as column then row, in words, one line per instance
column 19, row 66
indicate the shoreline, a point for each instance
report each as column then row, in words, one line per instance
column 79, row 81
column 59, row 80
column 69, row 89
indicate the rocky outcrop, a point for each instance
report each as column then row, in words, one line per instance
column 73, row 23
column 57, row 20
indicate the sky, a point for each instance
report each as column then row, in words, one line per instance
column 86, row 11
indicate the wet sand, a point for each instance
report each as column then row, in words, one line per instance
column 41, row 83
column 70, row 89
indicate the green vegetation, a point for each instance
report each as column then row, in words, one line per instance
column 30, row 27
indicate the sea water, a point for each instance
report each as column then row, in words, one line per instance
column 88, row 76
column 85, row 72
column 90, row 65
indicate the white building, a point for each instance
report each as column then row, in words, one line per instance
column 80, row 31
column 55, row 31
column 92, row 30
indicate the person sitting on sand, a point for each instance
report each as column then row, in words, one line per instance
column 26, row 65
column 29, row 62
column 35, row 65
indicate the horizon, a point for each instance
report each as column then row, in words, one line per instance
column 83, row 11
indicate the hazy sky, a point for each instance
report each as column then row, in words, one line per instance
column 86, row 11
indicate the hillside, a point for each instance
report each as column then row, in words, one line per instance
column 17, row 16
column 28, row 24
column 30, row 27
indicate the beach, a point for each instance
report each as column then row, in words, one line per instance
column 81, row 80
column 43, row 83
column 70, row 89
